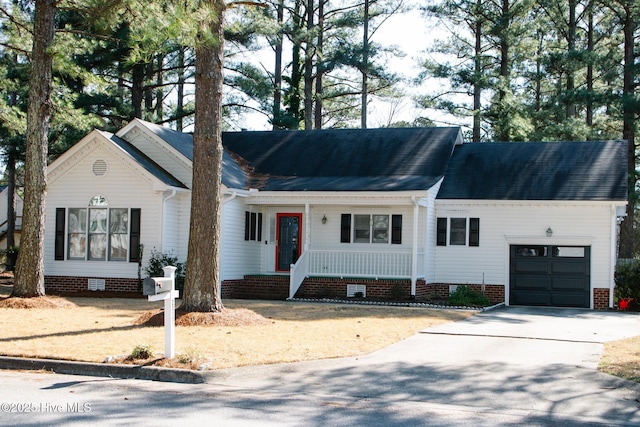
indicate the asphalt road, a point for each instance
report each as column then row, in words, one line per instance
column 514, row 366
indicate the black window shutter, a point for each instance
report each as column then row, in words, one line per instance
column 60, row 224
column 474, row 231
column 247, row 225
column 254, row 219
column 396, row 229
column 134, row 235
column 260, row 227
column 441, row 239
column 345, row 228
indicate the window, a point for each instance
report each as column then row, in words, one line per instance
column 253, row 226
column 367, row 228
column 98, row 232
column 457, row 231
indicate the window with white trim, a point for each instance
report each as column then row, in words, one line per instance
column 98, row 232
column 457, row 231
column 371, row 228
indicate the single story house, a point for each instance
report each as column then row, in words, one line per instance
column 385, row 212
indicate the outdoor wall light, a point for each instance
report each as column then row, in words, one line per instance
column 324, row 219
column 549, row 232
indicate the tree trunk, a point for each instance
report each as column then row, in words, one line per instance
column 627, row 235
column 317, row 110
column 201, row 292
column 477, row 89
column 11, row 197
column 29, row 277
column 365, row 65
column 308, row 70
column 277, row 72
column 180, row 90
column 137, row 89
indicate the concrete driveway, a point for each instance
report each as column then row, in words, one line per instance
column 535, row 366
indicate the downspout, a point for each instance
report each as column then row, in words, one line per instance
column 414, row 249
column 164, row 214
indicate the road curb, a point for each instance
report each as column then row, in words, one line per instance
column 152, row 373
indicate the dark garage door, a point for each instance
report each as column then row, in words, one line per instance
column 549, row 275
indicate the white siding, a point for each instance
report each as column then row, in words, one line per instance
column 124, row 187
column 504, row 224
column 238, row 257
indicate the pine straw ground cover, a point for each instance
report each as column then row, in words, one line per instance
column 247, row 333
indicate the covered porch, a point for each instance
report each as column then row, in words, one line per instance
column 320, row 235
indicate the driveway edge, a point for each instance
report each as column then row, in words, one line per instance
column 152, row 373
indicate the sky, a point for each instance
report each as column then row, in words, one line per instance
column 413, row 34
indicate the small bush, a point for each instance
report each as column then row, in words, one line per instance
column 466, row 296
column 143, row 351
column 397, row 292
column 628, row 279
column 189, row 356
column 159, row 260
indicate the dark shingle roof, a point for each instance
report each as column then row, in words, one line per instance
column 537, row 171
column 145, row 161
column 232, row 175
column 343, row 159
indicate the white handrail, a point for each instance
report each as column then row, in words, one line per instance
column 298, row 272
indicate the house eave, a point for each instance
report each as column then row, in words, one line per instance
column 350, row 198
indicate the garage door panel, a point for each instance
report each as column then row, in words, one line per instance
column 570, row 283
column 530, row 266
column 565, row 299
column 530, row 298
column 531, row 282
column 569, row 267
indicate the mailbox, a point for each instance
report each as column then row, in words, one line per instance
column 157, row 285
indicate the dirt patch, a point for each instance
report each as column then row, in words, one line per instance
column 227, row 317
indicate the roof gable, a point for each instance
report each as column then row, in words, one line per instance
column 593, row 170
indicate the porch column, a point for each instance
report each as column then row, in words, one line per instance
column 307, row 228
column 414, row 249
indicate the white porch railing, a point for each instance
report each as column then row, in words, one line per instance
column 353, row 264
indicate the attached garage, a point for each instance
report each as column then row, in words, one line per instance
column 549, row 275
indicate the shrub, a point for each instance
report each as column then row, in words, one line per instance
column 627, row 279
column 142, row 351
column 11, row 255
column 397, row 292
column 466, row 296
column 158, row 260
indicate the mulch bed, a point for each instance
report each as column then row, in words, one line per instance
column 226, row 317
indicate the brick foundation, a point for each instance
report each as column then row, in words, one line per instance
column 277, row 288
column 257, row 287
column 76, row 284
column 495, row 293
column 600, row 298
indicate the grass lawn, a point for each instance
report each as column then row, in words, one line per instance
column 92, row 329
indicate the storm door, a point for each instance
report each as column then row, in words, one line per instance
column 288, row 237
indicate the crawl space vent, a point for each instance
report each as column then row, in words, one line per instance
column 96, row 284
column 99, row 168
column 352, row 290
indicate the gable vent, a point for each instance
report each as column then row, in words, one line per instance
column 99, row 167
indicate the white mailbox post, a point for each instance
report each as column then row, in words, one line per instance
column 164, row 289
